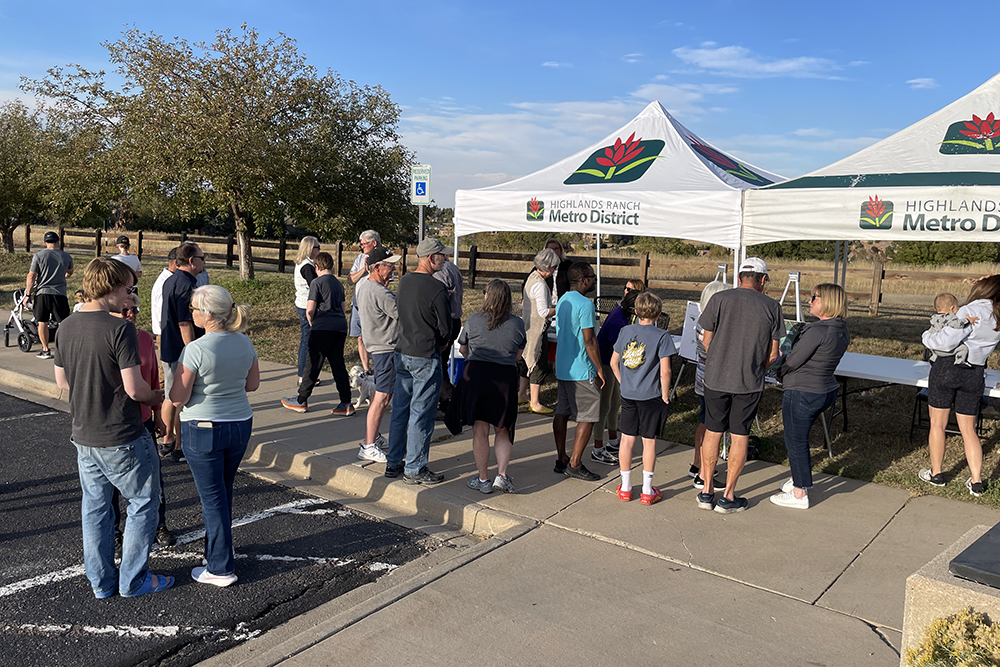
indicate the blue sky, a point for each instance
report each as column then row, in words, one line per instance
column 493, row 91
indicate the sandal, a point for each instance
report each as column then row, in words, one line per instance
column 651, row 498
column 624, row 496
column 154, row 583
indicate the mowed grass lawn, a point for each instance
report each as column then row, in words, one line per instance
column 875, row 448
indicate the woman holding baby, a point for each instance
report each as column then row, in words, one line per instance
column 957, row 377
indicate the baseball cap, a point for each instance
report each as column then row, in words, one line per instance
column 382, row 254
column 122, row 240
column 50, row 237
column 755, row 264
column 429, row 246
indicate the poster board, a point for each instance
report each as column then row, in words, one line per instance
column 689, row 336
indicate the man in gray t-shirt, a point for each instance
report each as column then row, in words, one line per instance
column 742, row 330
column 47, row 276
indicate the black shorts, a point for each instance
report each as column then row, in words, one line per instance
column 959, row 384
column 55, row 306
column 644, row 419
column 730, row 412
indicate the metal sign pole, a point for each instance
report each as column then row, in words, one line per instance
column 420, row 230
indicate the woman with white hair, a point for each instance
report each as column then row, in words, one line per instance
column 214, row 375
column 707, row 293
column 537, row 310
column 368, row 240
column 303, row 275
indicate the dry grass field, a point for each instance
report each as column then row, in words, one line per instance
column 875, row 448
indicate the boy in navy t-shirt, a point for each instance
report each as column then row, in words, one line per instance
column 641, row 362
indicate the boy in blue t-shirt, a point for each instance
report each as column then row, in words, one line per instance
column 641, row 362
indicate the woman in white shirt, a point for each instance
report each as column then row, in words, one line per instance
column 962, row 383
column 302, row 276
column 537, row 310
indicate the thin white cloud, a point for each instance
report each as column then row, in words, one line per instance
column 922, row 84
column 740, row 62
column 553, row 63
column 857, row 63
column 29, row 101
column 632, row 57
column 813, row 132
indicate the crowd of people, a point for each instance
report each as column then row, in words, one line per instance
column 613, row 381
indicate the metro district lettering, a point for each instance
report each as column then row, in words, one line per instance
column 990, row 223
column 555, row 215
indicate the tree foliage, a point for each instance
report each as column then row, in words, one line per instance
column 822, row 250
column 21, row 182
column 665, row 246
column 943, row 252
column 243, row 125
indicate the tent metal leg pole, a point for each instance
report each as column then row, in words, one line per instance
column 598, row 269
column 843, row 267
column 836, row 259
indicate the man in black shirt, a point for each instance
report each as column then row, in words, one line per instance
column 424, row 328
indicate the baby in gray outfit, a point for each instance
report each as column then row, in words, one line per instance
column 946, row 306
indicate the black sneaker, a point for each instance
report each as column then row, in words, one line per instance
column 934, row 480
column 604, row 456
column 581, row 473
column 165, row 448
column 699, row 483
column 706, row 500
column 693, row 471
column 425, row 476
column 613, row 448
column 726, row 506
column 164, row 537
column 393, row 472
column 176, row 456
column 975, row 488
column 118, row 545
column 560, row 467
column 45, row 354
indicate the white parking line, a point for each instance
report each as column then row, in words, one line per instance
column 34, row 414
column 295, row 507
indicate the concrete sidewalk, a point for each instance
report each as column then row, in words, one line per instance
column 567, row 572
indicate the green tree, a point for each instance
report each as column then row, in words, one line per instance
column 943, row 252
column 21, row 183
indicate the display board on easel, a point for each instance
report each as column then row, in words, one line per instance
column 689, row 335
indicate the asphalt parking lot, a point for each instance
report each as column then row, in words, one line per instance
column 294, row 553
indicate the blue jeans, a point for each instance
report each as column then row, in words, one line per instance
column 133, row 469
column 303, row 340
column 414, row 405
column 214, row 453
column 799, row 411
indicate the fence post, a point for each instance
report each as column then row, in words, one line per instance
column 473, row 254
column 645, row 268
column 340, row 259
column 27, row 238
column 97, row 242
column 184, row 238
column 281, row 255
column 230, row 241
column 877, row 276
column 62, row 237
column 402, row 262
column 138, row 245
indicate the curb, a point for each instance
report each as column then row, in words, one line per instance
column 434, row 507
column 33, row 384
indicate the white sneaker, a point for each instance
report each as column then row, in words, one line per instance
column 502, row 483
column 787, row 485
column 381, row 443
column 203, row 576
column 789, row 500
column 371, row 453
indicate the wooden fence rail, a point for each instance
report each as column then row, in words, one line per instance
column 94, row 242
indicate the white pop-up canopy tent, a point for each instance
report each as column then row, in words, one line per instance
column 937, row 180
column 653, row 177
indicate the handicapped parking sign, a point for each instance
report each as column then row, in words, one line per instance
column 420, row 184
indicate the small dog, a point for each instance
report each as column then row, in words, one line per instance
column 365, row 385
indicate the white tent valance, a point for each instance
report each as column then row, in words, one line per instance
column 653, row 177
column 937, row 180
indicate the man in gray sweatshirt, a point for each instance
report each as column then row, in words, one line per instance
column 380, row 331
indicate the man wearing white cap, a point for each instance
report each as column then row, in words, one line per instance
column 742, row 330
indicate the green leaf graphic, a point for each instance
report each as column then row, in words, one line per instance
column 963, row 143
column 590, row 172
column 637, row 163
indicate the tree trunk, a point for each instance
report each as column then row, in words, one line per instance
column 243, row 242
column 7, row 236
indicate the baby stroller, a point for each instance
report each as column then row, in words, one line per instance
column 27, row 329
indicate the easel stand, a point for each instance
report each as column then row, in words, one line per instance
column 793, row 278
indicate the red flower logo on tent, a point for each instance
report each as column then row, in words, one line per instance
column 620, row 154
column 876, row 214
column 726, row 163
column 979, row 135
column 983, row 129
column 536, row 209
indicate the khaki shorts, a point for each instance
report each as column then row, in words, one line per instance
column 580, row 399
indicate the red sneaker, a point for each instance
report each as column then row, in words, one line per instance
column 624, row 496
column 650, row 498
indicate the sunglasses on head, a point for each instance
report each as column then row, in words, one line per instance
column 134, row 289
